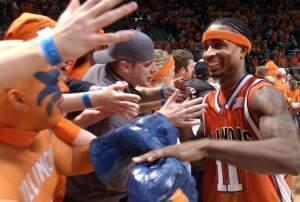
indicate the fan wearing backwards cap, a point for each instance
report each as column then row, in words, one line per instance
column 247, row 125
column 130, row 61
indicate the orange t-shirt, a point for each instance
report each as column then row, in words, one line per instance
column 294, row 96
column 227, row 183
column 31, row 173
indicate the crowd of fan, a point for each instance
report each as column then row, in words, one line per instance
column 11, row 9
column 275, row 28
column 275, row 25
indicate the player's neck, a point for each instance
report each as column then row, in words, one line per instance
column 227, row 85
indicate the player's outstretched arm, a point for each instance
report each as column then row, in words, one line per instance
column 277, row 152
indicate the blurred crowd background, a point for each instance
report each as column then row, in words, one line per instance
column 174, row 24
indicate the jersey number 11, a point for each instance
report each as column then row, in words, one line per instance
column 233, row 184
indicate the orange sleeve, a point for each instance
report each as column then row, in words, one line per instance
column 66, row 130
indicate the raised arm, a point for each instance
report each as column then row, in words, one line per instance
column 112, row 98
column 78, row 27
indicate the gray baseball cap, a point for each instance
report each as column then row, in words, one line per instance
column 139, row 48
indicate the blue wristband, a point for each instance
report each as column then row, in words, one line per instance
column 161, row 92
column 49, row 47
column 87, row 100
column 163, row 101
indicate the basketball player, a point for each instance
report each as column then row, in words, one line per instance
column 247, row 125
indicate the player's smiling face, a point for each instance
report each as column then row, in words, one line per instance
column 222, row 56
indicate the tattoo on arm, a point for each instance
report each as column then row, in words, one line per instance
column 274, row 117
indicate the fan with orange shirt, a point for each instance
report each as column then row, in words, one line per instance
column 293, row 95
column 26, row 27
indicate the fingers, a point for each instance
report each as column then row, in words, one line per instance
column 111, row 16
column 151, row 156
column 73, row 6
column 127, row 109
column 189, row 151
column 128, row 113
column 189, row 103
column 103, row 6
column 91, row 112
column 130, row 105
column 119, row 86
column 108, row 38
column 180, row 97
column 172, row 98
column 179, row 83
column 129, row 97
column 200, row 108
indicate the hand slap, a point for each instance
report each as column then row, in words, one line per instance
column 79, row 26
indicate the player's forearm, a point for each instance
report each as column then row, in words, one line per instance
column 276, row 155
column 20, row 61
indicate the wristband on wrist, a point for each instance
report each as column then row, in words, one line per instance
column 86, row 99
column 163, row 101
column 161, row 92
column 66, row 131
column 49, row 47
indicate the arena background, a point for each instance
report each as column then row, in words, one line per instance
column 172, row 24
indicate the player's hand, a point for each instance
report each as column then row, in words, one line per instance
column 183, row 114
column 189, row 151
column 77, row 30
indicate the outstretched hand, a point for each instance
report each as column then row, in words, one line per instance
column 183, row 114
column 77, row 30
column 189, row 151
column 89, row 117
column 116, row 100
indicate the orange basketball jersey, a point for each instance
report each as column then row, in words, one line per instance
column 235, row 121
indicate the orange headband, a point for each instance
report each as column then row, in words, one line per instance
column 229, row 36
column 164, row 70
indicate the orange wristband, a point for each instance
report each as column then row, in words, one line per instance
column 66, row 130
column 229, row 36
